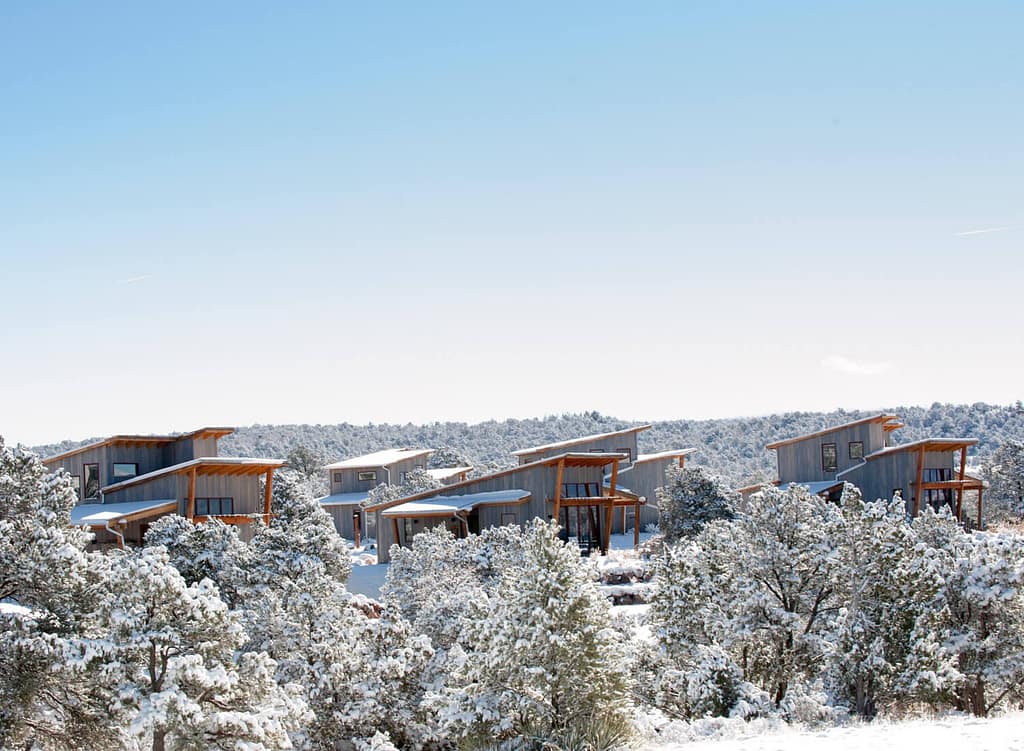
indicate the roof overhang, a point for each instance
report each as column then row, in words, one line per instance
column 449, row 505
column 580, row 459
column 99, row 515
column 576, row 441
column 379, row 459
column 884, row 418
column 142, row 440
column 926, row 445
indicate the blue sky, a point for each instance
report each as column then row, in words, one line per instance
column 245, row 212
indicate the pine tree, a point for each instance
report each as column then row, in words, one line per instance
column 542, row 659
column 690, row 498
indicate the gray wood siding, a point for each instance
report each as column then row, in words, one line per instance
column 342, row 517
column 801, row 461
column 645, row 479
column 74, row 464
column 879, row 477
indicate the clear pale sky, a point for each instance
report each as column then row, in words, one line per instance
column 227, row 213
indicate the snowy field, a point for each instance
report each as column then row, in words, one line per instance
column 949, row 733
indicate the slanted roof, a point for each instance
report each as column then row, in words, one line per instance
column 343, row 499
column 671, row 454
column 379, row 459
column 926, row 444
column 101, row 514
column 448, row 505
column 142, row 440
column 205, row 465
column 446, row 473
column 883, row 417
column 816, row 487
column 576, row 441
column 580, row 459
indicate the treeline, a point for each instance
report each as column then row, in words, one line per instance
column 731, row 447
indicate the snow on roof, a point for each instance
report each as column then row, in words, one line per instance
column 342, row 499
column 379, row 458
column 446, row 505
column 582, row 439
column 928, row 444
column 445, row 473
column 815, row 487
column 672, row 454
column 98, row 514
column 255, row 464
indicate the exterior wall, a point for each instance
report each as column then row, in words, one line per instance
column 625, row 443
column 342, row 516
column 391, row 474
column 801, row 461
column 879, row 477
column 159, row 488
column 644, row 480
column 74, row 465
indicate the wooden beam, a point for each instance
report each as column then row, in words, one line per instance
column 558, row 488
column 355, row 526
column 636, row 525
column 268, row 490
column 979, row 508
column 190, row 508
column 917, row 487
column 682, row 462
column 394, row 528
column 960, row 490
column 615, row 478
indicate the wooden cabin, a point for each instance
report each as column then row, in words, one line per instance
column 351, row 480
column 930, row 471
column 567, row 486
column 126, row 481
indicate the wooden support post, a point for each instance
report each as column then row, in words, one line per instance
column 636, row 525
column 394, row 529
column 920, row 477
column 682, row 462
column 355, row 526
column 960, row 490
column 615, row 478
column 190, row 505
column 607, row 527
column 268, row 489
column 623, row 520
column 979, row 508
column 558, row 488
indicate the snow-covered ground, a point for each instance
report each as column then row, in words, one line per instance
column 367, row 580
column 947, row 733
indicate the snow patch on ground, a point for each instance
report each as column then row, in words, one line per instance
column 945, row 733
column 367, row 580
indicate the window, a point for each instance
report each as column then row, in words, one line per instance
column 509, row 519
column 125, row 470
column 367, row 477
column 401, row 478
column 338, row 476
column 628, row 452
column 856, row 449
column 91, row 484
column 937, row 498
column 215, row 506
column 829, row 458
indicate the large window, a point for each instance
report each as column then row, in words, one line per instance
column 829, row 458
column 367, row 477
column 339, row 476
column 942, row 496
column 628, row 452
column 91, row 483
column 125, row 470
column 856, row 449
column 215, row 506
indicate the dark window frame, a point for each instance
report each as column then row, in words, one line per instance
column 338, row 477
column 85, row 481
column 215, row 506
column 628, row 452
column 115, row 476
column 368, row 476
column 835, row 458
column 850, row 449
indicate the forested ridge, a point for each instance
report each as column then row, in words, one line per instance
column 732, row 447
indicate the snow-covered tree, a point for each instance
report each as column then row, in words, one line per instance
column 446, row 456
column 48, row 592
column 984, row 597
column 690, row 498
column 1005, row 474
column 760, row 587
column 169, row 652
column 211, row 550
column 541, row 656
column 886, row 647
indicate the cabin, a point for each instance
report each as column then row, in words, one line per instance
column 930, row 472
column 124, row 482
column 351, row 480
column 578, row 481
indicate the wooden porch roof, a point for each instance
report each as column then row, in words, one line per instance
column 223, row 466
